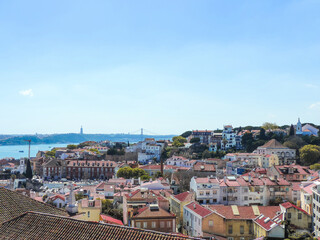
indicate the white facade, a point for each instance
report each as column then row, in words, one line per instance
column 228, row 138
column 22, row 166
column 238, row 191
column 316, row 209
column 192, row 221
column 179, row 161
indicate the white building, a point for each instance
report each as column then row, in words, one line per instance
column 22, row 166
column 316, row 209
column 241, row 191
column 230, row 138
column 193, row 213
column 180, row 161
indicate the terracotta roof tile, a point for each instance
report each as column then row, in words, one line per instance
column 13, row 204
column 32, row 225
column 198, row 209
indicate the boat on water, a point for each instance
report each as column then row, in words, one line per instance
column 21, row 151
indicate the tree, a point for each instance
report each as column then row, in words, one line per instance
column 158, row 174
column 206, row 154
column 310, row 154
column 262, row 135
column 128, row 172
column 72, row 146
column 270, row 126
column 186, row 134
column 125, row 172
column 291, row 132
column 94, row 150
column 315, row 166
column 195, row 140
column 179, row 141
column 247, row 142
column 79, row 196
column 294, row 142
column 51, row 153
column 28, row 170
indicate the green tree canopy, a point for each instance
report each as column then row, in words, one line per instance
column 128, row 172
column 195, row 140
column 262, row 135
column 269, row 126
column 291, row 132
column 72, row 146
column 28, row 170
column 310, row 154
column 178, row 141
column 315, row 166
column 186, row 134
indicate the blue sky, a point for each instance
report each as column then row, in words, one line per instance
column 166, row 66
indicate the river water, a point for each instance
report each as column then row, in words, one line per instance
column 14, row 150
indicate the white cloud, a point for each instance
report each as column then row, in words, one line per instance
column 27, row 92
column 314, row 105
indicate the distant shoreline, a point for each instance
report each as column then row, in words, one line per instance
column 67, row 138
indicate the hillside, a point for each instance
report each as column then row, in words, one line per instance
column 75, row 138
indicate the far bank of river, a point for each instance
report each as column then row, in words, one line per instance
column 14, row 150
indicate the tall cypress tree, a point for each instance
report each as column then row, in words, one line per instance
column 291, row 132
column 29, row 170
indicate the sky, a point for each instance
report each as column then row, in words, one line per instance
column 165, row 66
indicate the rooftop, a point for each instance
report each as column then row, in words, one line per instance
column 33, row 225
column 13, row 204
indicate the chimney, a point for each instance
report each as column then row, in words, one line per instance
column 194, row 206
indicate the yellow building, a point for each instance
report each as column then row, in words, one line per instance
column 234, row 222
column 269, row 228
column 268, row 160
column 177, row 202
column 306, row 196
column 89, row 210
column 296, row 216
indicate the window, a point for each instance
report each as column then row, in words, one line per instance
column 153, row 225
column 246, row 198
column 169, row 224
column 241, row 229
column 230, row 238
column 138, row 225
column 230, row 229
column 162, row 224
column 88, row 214
column 299, row 215
column 145, row 224
column 210, row 223
column 242, row 238
column 289, row 215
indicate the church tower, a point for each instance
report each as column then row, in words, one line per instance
column 299, row 127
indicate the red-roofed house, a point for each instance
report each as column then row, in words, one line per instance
column 266, row 227
column 235, row 222
column 177, row 202
column 297, row 216
column 110, row 220
column 155, row 218
column 193, row 214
